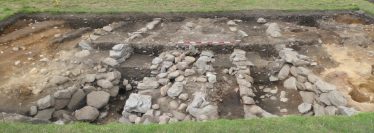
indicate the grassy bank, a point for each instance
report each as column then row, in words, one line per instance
column 10, row 7
column 295, row 124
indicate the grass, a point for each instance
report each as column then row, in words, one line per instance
column 10, row 7
column 363, row 122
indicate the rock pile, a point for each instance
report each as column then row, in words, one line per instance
column 242, row 73
column 171, row 71
column 319, row 97
column 86, row 99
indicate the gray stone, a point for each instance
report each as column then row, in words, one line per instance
column 331, row 110
column 89, row 78
column 33, row 110
column 212, row 78
column 175, row 89
column 173, row 75
column 61, row 103
column 157, row 60
column 273, row 30
column 304, row 107
column 98, row 99
column 138, row 103
column 324, row 86
column 84, row 44
column 59, row 114
column 189, row 59
column 45, row 114
column 179, row 78
column 148, row 83
column 284, row 72
column 313, row 78
column 307, row 97
column 173, row 105
column 86, row 113
column 248, row 100
column 324, row 98
column 319, row 110
column 290, row 83
column 199, row 108
column 347, row 111
column 114, row 91
column 62, row 94
column 336, row 98
column 182, row 65
column 46, row 102
column 103, row 83
column 179, row 115
column 58, row 80
column 261, row 21
column 164, row 119
column 77, row 100
column 110, row 61
column 183, row 96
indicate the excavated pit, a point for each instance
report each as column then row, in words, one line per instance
column 37, row 47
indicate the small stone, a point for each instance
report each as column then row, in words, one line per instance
column 211, row 77
column 155, row 106
column 183, row 96
column 261, row 21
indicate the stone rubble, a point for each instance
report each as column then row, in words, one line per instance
column 319, row 97
column 245, row 81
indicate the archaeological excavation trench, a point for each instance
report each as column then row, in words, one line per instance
column 165, row 68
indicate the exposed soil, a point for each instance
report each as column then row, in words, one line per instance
column 341, row 44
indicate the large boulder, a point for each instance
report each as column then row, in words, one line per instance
column 138, row 103
column 98, row 99
column 87, row 113
column 46, row 102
